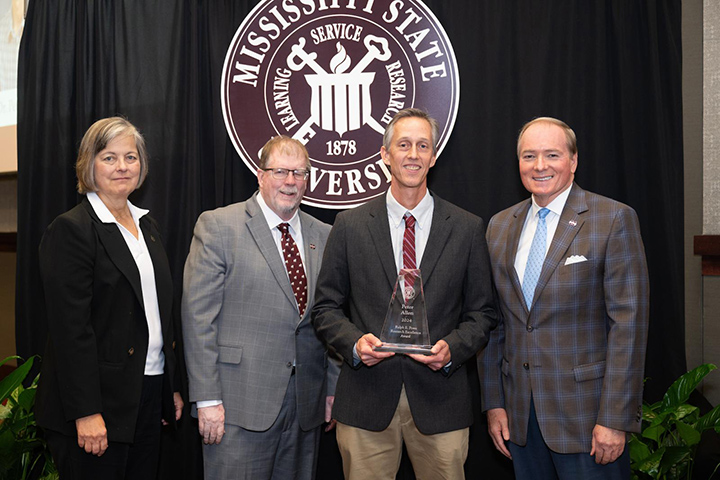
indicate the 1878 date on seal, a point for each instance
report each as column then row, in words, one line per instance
column 332, row 73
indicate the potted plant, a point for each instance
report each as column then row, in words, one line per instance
column 671, row 431
column 23, row 453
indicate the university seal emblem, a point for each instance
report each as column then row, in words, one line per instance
column 332, row 73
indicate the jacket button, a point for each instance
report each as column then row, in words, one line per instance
column 526, row 366
column 131, row 350
column 529, row 328
column 297, row 332
column 173, row 345
column 288, row 364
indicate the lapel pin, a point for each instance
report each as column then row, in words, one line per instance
column 312, row 246
column 572, row 223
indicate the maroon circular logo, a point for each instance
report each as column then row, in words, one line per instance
column 332, row 73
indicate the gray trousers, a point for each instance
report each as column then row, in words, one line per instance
column 282, row 452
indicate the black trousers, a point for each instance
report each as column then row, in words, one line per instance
column 121, row 461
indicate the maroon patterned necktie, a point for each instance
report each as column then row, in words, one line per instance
column 294, row 266
column 409, row 243
column 409, row 248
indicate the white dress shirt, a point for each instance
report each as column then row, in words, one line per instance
column 155, row 359
column 423, row 213
column 531, row 222
column 273, row 220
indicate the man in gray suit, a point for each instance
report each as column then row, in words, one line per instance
column 384, row 399
column 562, row 375
column 258, row 372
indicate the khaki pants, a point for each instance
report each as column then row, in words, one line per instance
column 377, row 455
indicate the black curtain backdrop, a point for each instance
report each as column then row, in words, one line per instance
column 610, row 68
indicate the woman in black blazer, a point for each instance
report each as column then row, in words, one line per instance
column 108, row 374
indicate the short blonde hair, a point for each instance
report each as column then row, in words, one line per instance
column 570, row 137
column 283, row 145
column 96, row 139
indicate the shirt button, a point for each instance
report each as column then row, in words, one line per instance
column 526, row 366
column 131, row 350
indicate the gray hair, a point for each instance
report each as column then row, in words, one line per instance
column 96, row 139
column 411, row 113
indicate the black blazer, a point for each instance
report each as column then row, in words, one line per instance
column 97, row 332
column 354, row 288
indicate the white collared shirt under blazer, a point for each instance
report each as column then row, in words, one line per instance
column 580, row 350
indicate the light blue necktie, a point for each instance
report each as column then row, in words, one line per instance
column 536, row 257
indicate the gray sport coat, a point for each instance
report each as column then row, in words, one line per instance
column 241, row 324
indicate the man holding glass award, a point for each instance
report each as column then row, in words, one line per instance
column 405, row 297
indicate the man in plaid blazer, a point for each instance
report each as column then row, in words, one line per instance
column 562, row 374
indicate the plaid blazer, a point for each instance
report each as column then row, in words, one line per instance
column 580, row 349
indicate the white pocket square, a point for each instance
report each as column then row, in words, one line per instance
column 575, row 259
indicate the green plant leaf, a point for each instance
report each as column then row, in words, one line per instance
column 7, row 359
column 659, row 418
column 688, row 433
column 638, row 449
column 680, row 390
column 672, row 430
column 683, row 411
column 709, row 420
column 20, row 448
column 14, row 380
column 654, row 432
column 8, row 456
column 20, row 425
column 650, row 411
column 50, row 476
column 674, row 457
column 26, row 399
column 650, row 465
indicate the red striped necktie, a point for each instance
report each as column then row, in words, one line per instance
column 409, row 243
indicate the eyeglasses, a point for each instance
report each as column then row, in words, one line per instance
column 282, row 173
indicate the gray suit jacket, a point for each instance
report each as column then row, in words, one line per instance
column 241, row 324
column 354, row 290
column 580, row 350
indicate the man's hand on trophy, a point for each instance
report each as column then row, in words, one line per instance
column 365, row 350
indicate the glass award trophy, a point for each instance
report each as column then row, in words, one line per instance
column 406, row 326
